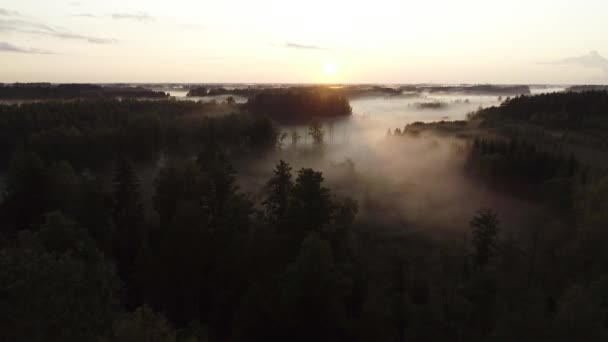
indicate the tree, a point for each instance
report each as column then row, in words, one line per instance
column 484, row 226
column 143, row 324
column 127, row 216
column 579, row 318
column 230, row 100
column 55, row 284
column 295, row 138
column 127, row 206
column 278, row 190
column 27, row 195
column 315, row 130
column 312, row 294
column 311, row 205
column 262, row 134
column 281, row 140
column 178, row 181
column 219, row 194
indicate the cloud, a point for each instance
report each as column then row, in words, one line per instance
column 139, row 16
column 86, row 15
column 592, row 60
column 291, row 45
column 8, row 13
column 7, row 47
column 40, row 29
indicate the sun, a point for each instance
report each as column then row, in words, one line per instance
column 329, row 69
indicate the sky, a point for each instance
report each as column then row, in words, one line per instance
column 324, row 41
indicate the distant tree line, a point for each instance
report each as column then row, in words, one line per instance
column 91, row 133
column 583, row 88
column 479, row 89
column 430, row 105
column 570, row 110
column 35, row 91
column 298, row 106
column 217, row 91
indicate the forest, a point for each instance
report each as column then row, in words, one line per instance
column 131, row 220
column 45, row 91
column 299, row 106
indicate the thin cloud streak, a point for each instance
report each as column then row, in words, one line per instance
column 7, row 47
column 40, row 29
column 140, row 16
column 86, row 15
column 291, row 45
column 8, row 13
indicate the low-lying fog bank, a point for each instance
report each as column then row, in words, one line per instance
column 400, row 181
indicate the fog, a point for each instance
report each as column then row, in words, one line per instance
column 399, row 182
column 180, row 94
column 403, row 182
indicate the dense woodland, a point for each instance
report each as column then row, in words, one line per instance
column 87, row 252
column 298, row 106
column 45, row 91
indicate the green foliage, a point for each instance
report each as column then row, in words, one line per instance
column 299, row 105
column 143, row 324
column 278, row 190
column 178, row 181
column 579, row 316
column 310, row 202
column 28, row 193
column 315, row 130
column 55, row 284
column 592, row 203
column 484, row 228
column 568, row 110
column 295, row 138
column 127, row 218
column 521, row 168
column 92, row 133
column 312, row 294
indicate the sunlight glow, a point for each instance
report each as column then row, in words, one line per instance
column 387, row 41
column 329, row 69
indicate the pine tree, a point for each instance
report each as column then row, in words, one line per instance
column 278, row 190
column 127, row 216
column 311, row 203
column 485, row 230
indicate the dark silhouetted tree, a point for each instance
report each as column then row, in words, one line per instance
column 315, row 130
column 278, row 190
column 55, row 284
column 311, row 207
column 128, row 217
column 27, row 195
column 484, row 226
column 312, row 294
